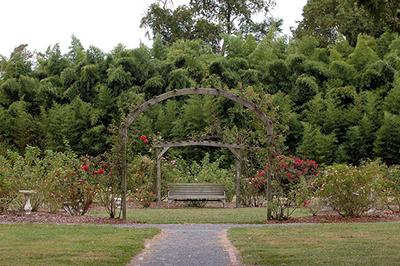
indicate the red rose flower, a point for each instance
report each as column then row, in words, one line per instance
column 143, row 138
column 101, row 171
column 85, row 167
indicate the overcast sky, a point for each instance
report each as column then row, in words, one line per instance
column 102, row 23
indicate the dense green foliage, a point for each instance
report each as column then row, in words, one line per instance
column 335, row 104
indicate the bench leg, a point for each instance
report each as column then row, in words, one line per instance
column 224, row 203
column 169, row 203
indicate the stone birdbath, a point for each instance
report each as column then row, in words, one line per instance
column 27, row 193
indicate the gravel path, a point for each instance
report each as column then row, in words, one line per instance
column 189, row 245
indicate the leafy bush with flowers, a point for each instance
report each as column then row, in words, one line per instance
column 291, row 179
column 350, row 190
column 290, row 184
column 141, row 183
column 8, row 185
column 254, row 190
column 29, row 173
column 109, row 189
column 172, row 171
column 390, row 187
column 76, row 185
column 144, row 196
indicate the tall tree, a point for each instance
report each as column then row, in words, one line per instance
column 327, row 19
column 387, row 11
column 178, row 24
column 208, row 19
column 233, row 15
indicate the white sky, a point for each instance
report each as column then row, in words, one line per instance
column 102, row 23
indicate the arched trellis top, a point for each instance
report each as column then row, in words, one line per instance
column 156, row 99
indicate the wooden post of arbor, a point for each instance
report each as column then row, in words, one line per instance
column 238, row 174
column 123, row 181
column 269, row 177
column 158, row 150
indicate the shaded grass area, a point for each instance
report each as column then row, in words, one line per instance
column 198, row 215
column 45, row 244
column 324, row 244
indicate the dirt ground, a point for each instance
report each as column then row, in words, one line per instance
column 62, row 217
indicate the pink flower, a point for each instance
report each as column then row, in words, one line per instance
column 101, row 171
column 305, row 203
column 146, row 141
column 85, row 168
column 143, row 138
column 251, row 93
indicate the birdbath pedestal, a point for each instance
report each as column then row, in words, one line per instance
column 27, row 193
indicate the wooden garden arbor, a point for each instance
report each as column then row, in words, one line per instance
column 205, row 91
column 236, row 149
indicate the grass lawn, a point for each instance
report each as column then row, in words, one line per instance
column 45, row 244
column 198, row 215
column 322, row 244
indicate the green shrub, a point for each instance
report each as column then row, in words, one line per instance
column 350, row 190
column 291, row 185
column 76, row 185
column 110, row 189
column 391, row 188
column 141, row 180
column 8, row 185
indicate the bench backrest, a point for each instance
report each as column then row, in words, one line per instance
column 196, row 189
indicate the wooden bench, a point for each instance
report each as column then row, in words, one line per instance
column 196, row 191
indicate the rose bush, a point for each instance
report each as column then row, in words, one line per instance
column 290, row 184
column 144, row 196
column 77, row 185
column 8, row 185
column 390, row 187
column 351, row 190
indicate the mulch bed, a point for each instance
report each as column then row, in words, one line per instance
column 64, row 218
column 333, row 217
